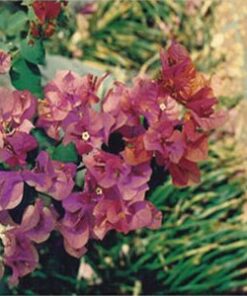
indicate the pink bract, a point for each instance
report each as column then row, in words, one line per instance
column 11, row 192
column 17, row 109
column 52, row 177
column 5, row 62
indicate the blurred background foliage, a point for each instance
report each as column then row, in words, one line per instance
column 202, row 244
column 124, row 36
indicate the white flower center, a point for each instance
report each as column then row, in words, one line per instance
column 98, row 191
column 85, row 136
column 162, row 106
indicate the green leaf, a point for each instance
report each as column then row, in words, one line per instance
column 31, row 14
column 16, row 22
column 79, row 179
column 65, row 153
column 33, row 51
column 3, row 45
column 45, row 143
column 4, row 17
column 25, row 75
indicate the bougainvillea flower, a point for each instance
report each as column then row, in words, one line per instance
column 16, row 111
column 61, row 96
column 52, row 177
column 134, row 185
column 46, row 10
column 11, row 189
column 117, row 186
column 19, row 254
column 37, row 222
column 215, row 120
column 5, row 62
column 152, row 102
column 110, row 170
column 144, row 95
column 135, row 152
column 165, row 141
column 196, row 142
column 119, row 105
column 144, row 214
column 15, row 148
column 6, row 104
column 16, row 106
column 65, row 93
column 105, row 167
column 165, row 108
column 77, row 90
column 24, row 106
column 77, row 221
column 184, row 173
column 114, row 213
column 113, row 205
column 178, row 71
column 87, row 133
column 78, row 253
column 110, row 213
column 202, row 102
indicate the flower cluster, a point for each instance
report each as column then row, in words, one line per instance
column 46, row 13
column 120, row 140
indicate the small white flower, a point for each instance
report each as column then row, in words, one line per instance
column 125, row 249
column 98, row 191
column 85, row 136
column 162, row 106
